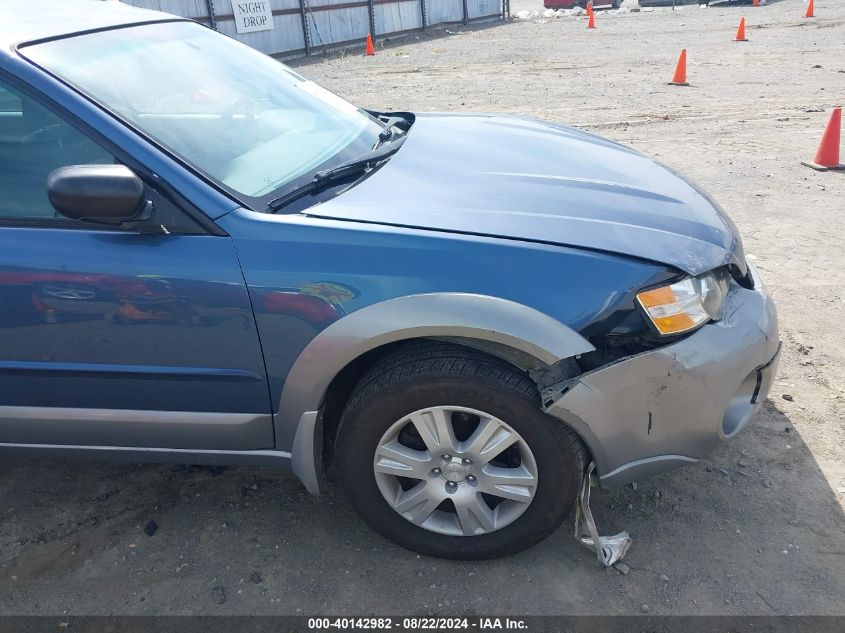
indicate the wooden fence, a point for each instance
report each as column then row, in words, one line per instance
column 306, row 27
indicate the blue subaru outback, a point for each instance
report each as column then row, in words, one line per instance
column 207, row 258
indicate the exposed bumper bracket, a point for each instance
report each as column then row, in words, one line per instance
column 611, row 549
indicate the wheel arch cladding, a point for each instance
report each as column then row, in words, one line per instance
column 435, row 315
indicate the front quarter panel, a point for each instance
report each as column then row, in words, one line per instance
column 307, row 276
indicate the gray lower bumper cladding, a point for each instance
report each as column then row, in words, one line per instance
column 675, row 405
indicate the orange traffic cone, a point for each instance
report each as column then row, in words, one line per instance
column 756, row 3
column 592, row 23
column 590, row 8
column 371, row 50
column 810, row 7
column 827, row 156
column 740, row 32
column 680, row 76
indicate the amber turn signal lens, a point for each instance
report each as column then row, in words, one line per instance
column 685, row 305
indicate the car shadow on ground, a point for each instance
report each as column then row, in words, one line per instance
column 735, row 535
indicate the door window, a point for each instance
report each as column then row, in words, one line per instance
column 33, row 142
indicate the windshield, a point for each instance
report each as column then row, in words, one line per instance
column 242, row 118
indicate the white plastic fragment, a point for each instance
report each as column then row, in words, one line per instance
column 611, row 549
column 543, row 17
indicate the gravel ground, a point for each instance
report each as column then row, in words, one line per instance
column 759, row 530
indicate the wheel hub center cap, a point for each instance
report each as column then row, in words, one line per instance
column 455, row 471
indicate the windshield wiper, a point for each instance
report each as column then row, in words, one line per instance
column 327, row 177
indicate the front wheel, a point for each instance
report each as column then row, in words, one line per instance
column 445, row 451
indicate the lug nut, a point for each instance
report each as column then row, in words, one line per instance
column 467, row 461
column 451, row 486
column 435, row 471
column 447, row 457
column 470, row 478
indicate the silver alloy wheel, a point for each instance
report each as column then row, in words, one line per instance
column 485, row 495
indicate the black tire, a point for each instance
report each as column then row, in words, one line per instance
column 429, row 374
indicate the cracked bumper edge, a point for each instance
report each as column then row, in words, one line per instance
column 675, row 405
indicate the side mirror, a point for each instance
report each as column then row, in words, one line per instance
column 108, row 194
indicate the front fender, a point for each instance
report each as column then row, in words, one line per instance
column 434, row 315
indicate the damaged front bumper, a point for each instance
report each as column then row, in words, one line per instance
column 675, row 405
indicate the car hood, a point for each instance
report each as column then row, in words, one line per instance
column 520, row 178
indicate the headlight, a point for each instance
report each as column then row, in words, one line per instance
column 685, row 305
